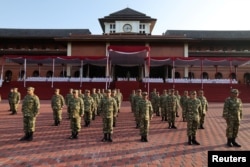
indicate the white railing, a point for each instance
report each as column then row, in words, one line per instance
column 217, row 81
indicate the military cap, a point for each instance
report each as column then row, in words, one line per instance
column 113, row 91
column 144, row 93
column 236, row 91
column 87, row 91
column 139, row 90
column 56, row 90
column 108, row 91
column 75, row 91
column 30, row 88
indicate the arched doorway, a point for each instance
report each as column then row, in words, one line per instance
column 205, row 75
column 49, row 74
column 8, row 76
column 218, row 75
column 247, row 78
column 232, row 76
column 21, row 74
column 177, row 75
column 190, row 75
column 35, row 73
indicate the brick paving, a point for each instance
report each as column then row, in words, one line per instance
column 166, row 147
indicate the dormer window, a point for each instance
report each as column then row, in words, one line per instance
column 112, row 28
column 142, row 28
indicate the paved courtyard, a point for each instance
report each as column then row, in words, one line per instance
column 166, row 147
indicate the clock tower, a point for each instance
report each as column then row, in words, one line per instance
column 127, row 21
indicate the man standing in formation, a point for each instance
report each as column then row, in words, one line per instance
column 163, row 102
column 57, row 103
column 232, row 113
column 145, row 110
column 183, row 103
column 14, row 101
column 193, row 108
column 67, row 98
column 76, row 111
column 117, row 99
column 30, row 110
column 172, row 104
column 9, row 97
column 137, row 98
column 109, row 110
column 204, row 106
column 88, row 108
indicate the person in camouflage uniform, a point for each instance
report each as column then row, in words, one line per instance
column 57, row 103
column 100, row 96
column 151, row 97
column 193, row 108
column 88, row 108
column 114, row 95
column 163, row 102
column 131, row 96
column 9, row 97
column 144, row 107
column 176, row 93
column 95, row 96
column 30, row 110
column 67, row 98
column 183, row 102
column 109, row 110
column 15, row 100
column 204, row 105
column 232, row 113
column 156, row 101
column 120, row 98
column 76, row 111
column 172, row 104
column 136, row 98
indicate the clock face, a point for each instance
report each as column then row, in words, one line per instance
column 127, row 28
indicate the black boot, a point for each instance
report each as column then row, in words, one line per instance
column 114, row 124
column 146, row 138
column 76, row 135
column 173, row 126
column 104, row 137
column 30, row 138
column 189, row 140
column 25, row 137
column 235, row 143
column 72, row 135
column 162, row 118
column 194, row 141
column 142, row 138
column 86, row 123
column 169, row 125
column 110, row 137
column 177, row 115
column 137, row 125
column 229, row 142
column 201, row 126
column 56, row 123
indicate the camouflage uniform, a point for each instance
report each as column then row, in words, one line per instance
column 156, row 101
column 163, row 102
column 204, row 105
column 97, row 101
column 193, row 109
column 114, row 95
column 109, row 111
column 57, row 103
column 183, row 102
column 176, row 93
column 9, row 97
column 67, row 99
column 172, row 104
column 131, row 96
column 88, row 108
column 30, row 110
column 120, row 99
column 136, row 98
column 152, row 95
column 100, row 96
column 14, row 101
column 76, row 111
column 232, row 113
column 144, row 107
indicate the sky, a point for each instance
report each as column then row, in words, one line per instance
column 84, row 14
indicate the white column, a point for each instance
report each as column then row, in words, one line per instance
column 186, row 55
column 69, row 53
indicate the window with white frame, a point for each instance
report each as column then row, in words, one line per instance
column 112, row 28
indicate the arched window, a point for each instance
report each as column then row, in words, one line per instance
column 21, row 74
column 190, row 75
column 218, row 75
column 232, row 75
column 49, row 74
column 35, row 73
column 205, row 75
column 177, row 75
column 63, row 74
column 247, row 78
column 8, row 76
